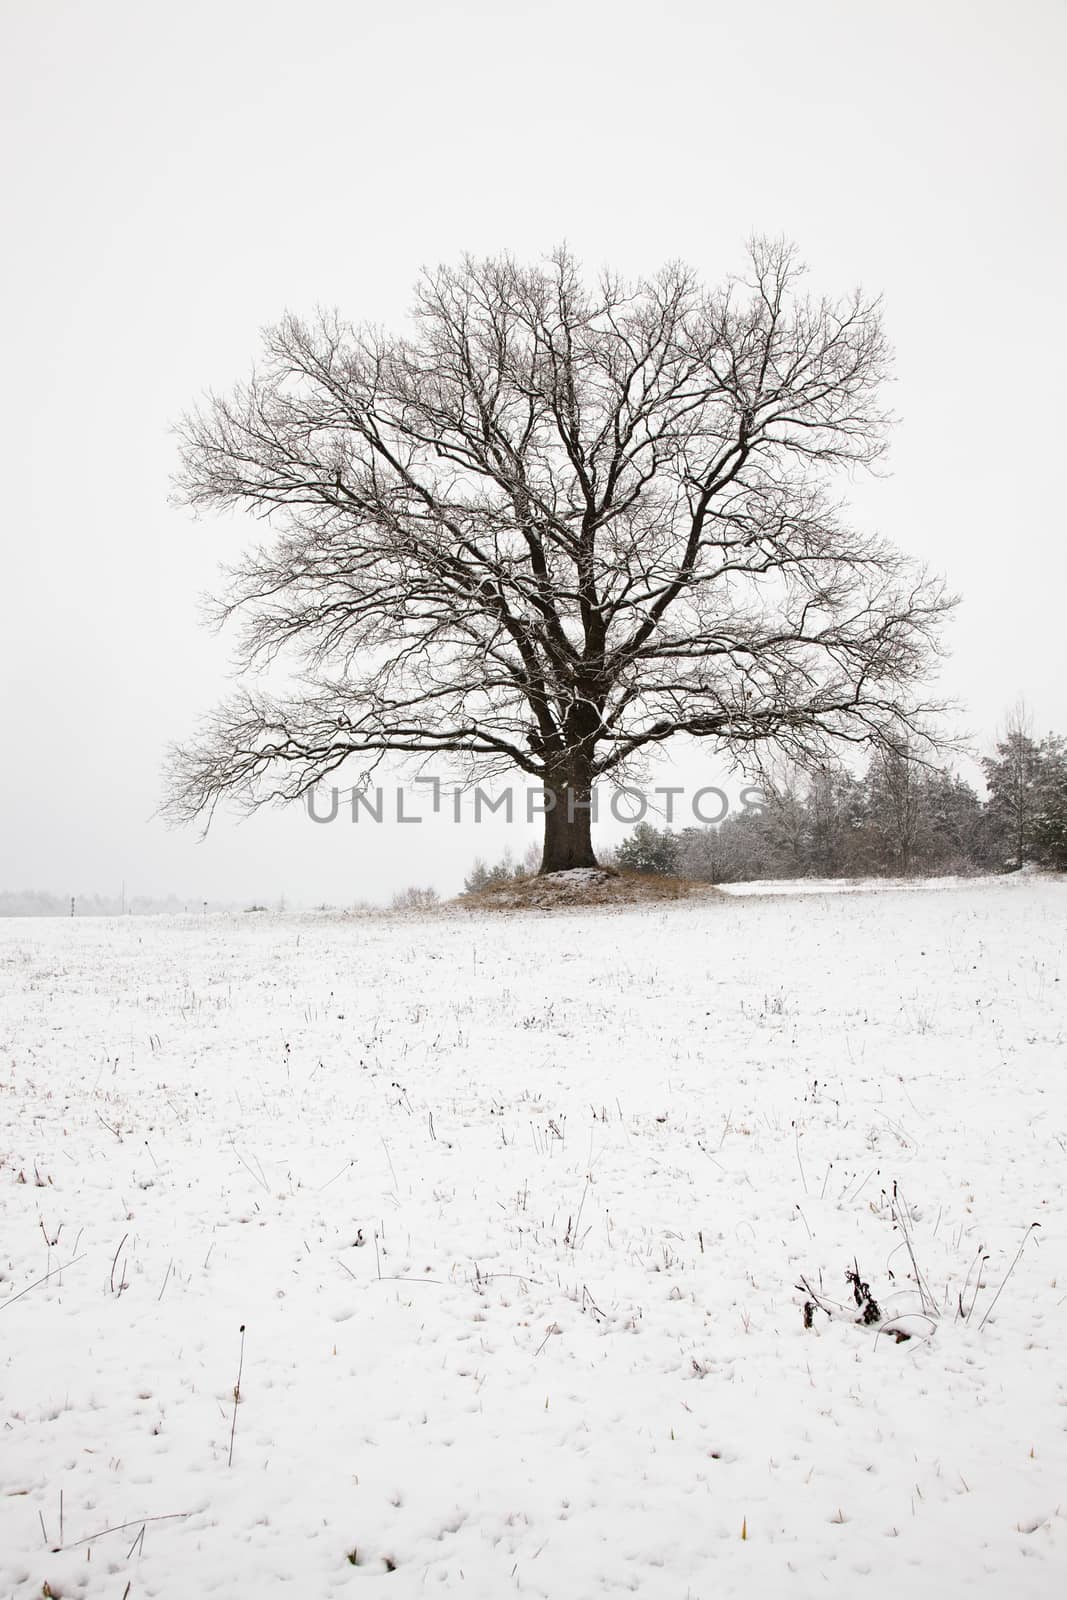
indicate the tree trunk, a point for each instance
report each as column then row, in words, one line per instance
column 568, row 827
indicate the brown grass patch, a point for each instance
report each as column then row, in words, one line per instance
column 600, row 886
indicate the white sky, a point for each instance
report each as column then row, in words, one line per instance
column 177, row 176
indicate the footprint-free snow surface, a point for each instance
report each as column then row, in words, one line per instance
column 523, row 1218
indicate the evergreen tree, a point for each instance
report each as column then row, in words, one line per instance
column 649, row 850
column 1012, row 777
column 1050, row 812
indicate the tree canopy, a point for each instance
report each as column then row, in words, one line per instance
column 552, row 527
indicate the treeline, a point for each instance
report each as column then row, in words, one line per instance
column 39, row 903
column 900, row 818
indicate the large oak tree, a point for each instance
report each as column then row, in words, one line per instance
column 552, row 527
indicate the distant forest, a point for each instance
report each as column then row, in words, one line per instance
column 901, row 817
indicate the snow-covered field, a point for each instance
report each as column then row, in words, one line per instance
column 512, row 1209
column 806, row 886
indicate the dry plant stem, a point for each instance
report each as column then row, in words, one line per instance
column 41, row 1280
column 120, row 1527
column 397, row 1277
column 237, row 1394
column 800, row 1164
column 887, row 1326
column 114, row 1263
column 578, row 1218
column 260, row 1179
column 821, row 1300
column 980, row 1259
column 335, row 1177
column 925, row 1296
column 1008, row 1274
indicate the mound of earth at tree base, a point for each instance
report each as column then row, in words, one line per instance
column 583, row 886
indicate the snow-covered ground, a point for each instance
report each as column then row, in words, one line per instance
column 512, row 1209
column 794, row 886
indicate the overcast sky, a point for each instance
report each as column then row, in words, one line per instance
column 179, row 175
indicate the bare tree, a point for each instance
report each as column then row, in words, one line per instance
column 553, row 528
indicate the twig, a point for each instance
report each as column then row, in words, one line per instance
column 166, row 1277
column 109, row 1128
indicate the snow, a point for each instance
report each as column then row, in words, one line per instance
column 795, row 886
column 513, row 1210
